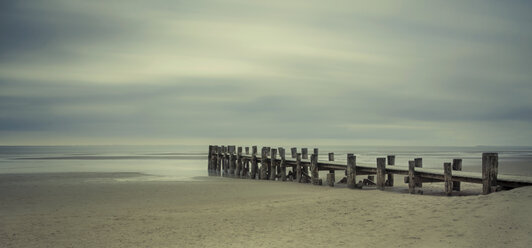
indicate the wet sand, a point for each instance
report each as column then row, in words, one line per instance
column 116, row 210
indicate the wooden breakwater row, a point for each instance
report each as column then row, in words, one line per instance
column 230, row 161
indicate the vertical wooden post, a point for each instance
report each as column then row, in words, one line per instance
column 293, row 150
column 316, row 152
column 351, row 171
column 254, row 166
column 282, row 164
column 447, row 175
column 239, row 162
column 490, row 165
column 224, row 161
column 457, row 166
column 218, row 160
column 264, row 164
column 232, row 161
column 418, row 162
column 298, row 168
column 314, row 176
column 245, row 166
column 304, row 153
column 411, row 177
column 304, row 167
column 381, row 170
column 209, row 161
column 391, row 162
column 330, row 177
column 273, row 164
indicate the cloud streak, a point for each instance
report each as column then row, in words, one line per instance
column 406, row 73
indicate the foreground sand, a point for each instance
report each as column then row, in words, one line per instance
column 114, row 210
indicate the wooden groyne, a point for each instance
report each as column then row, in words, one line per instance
column 230, row 161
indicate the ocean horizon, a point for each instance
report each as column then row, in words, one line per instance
column 180, row 162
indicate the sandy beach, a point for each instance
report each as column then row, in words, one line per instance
column 115, row 210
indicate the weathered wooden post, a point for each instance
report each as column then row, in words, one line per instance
column 457, row 166
column 218, row 160
column 224, row 161
column 254, row 166
column 448, row 179
column 304, row 153
column 330, row 175
column 214, row 163
column 273, row 164
column 293, row 150
column 490, row 165
column 411, row 177
column 351, row 171
column 282, row 164
column 315, row 176
column 232, row 161
column 244, row 170
column 316, row 152
column 381, row 170
column 418, row 162
column 264, row 163
column 209, row 161
column 391, row 162
column 299, row 169
column 239, row 162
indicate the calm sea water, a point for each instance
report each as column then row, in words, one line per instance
column 188, row 162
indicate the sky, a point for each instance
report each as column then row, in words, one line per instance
column 449, row 73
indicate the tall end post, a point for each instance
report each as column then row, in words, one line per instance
column 351, row 171
column 381, row 170
column 490, row 165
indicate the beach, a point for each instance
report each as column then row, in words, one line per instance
column 117, row 210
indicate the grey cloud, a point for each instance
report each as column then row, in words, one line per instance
column 359, row 72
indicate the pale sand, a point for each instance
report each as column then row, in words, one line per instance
column 96, row 210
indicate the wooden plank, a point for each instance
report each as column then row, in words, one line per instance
column 411, row 176
column 447, row 171
column 381, row 170
column 457, row 166
column 351, row 171
column 391, row 162
column 490, row 164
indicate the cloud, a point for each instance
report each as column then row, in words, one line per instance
column 450, row 73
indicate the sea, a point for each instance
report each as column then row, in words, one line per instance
column 186, row 163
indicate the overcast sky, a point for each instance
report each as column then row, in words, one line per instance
column 283, row 72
